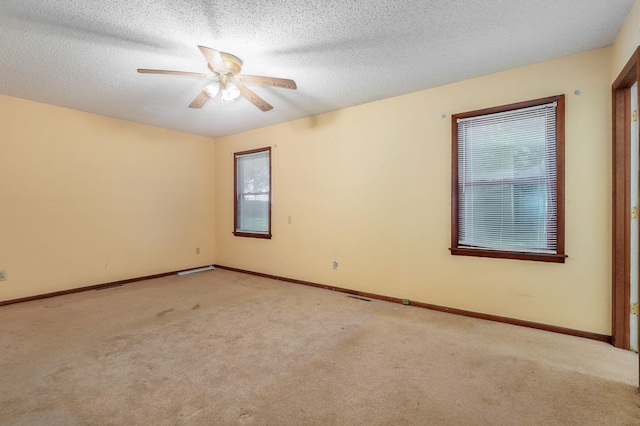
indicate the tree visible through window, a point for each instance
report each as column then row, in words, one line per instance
column 508, row 181
column 253, row 193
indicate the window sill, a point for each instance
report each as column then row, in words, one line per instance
column 539, row 257
column 252, row 235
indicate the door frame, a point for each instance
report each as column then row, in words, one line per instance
column 621, row 202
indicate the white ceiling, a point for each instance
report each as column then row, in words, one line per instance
column 83, row 54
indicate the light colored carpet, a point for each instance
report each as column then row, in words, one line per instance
column 225, row 348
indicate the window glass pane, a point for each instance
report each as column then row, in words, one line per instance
column 254, row 173
column 508, row 217
column 507, row 150
column 254, row 213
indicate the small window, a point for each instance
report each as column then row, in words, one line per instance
column 253, row 193
column 508, row 181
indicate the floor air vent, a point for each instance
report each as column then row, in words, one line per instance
column 360, row 298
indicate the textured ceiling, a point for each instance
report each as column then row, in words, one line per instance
column 83, row 54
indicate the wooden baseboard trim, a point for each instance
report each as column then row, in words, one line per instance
column 506, row 320
column 91, row 287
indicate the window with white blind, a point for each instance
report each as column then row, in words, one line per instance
column 253, row 193
column 508, row 181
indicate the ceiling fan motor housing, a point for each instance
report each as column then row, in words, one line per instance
column 232, row 62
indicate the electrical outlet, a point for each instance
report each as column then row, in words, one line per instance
column 197, row 250
column 3, row 275
column 335, row 264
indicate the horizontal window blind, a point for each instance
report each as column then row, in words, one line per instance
column 507, row 187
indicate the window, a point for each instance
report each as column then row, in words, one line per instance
column 507, row 194
column 253, row 193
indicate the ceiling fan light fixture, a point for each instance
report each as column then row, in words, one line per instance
column 230, row 92
column 212, row 89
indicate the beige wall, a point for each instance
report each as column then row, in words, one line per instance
column 88, row 199
column 627, row 41
column 369, row 186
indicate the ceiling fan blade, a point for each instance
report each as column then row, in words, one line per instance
column 214, row 58
column 193, row 74
column 254, row 99
column 200, row 100
column 283, row 83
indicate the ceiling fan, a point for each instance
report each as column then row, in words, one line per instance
column 226, row 79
